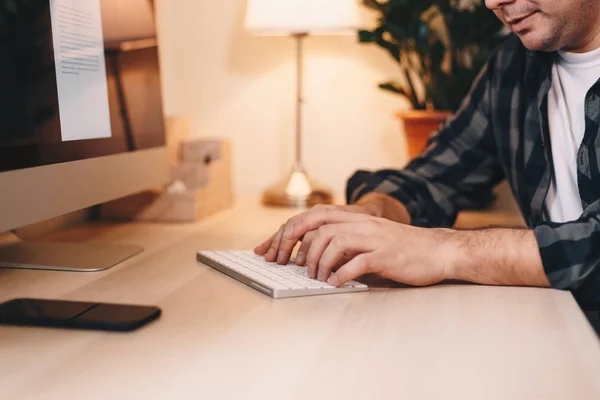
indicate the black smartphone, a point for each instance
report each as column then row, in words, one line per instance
column 76, row 314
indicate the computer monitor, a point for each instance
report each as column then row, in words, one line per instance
column 81, row 118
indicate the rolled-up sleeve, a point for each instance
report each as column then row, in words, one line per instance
column 570, row 254
column 458, row 169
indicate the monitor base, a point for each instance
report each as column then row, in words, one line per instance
column 60, row 256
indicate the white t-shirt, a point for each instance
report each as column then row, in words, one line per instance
column 573, row 74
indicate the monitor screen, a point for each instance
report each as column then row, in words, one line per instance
column 77, row 83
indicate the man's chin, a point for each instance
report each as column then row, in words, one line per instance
column 536, row 42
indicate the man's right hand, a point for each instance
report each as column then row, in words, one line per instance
column 279, row 249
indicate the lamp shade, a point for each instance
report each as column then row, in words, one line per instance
column 278, row 17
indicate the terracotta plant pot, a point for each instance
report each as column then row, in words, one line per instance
column 418, row 127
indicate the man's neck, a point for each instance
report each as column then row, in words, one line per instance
column 588, row 42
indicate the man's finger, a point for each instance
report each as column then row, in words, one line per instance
column 355, row 268
column 286, row 245
column 321, row 240
column 310, row 221
column 304, row 247
column 303, row 223
column 323, row 237
column 271, row 254
column 261, row 249
column 344, row 247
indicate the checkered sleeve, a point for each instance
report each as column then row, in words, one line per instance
column 570, row 254
column 457, row 170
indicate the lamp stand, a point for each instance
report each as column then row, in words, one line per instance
column 297, row 189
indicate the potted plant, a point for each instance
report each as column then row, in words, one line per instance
column 440, row 46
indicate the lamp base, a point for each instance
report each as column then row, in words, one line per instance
column 298, row 191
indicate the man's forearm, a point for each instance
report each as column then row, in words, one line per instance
column 486, row 256
column 497, row 257
column 384, row 206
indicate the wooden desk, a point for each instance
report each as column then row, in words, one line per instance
column 218, row 339
column 504, row 211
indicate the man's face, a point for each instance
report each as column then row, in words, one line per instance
column 549, row 25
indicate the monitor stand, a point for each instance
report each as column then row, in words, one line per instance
column 61, row 256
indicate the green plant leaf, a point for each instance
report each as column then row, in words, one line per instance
column 374, row 5
column 397, row 3
column 393, row 87
column 405, row 31
column 396, row 31
column 367, row 36
column 437, row 53
column 421, row 34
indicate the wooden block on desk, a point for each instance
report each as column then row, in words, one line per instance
column 193, row 175
column 181, row 205
column 200, row 150
column 178, row 129
column 178, row 203
column 170, row 207
column 218, row 193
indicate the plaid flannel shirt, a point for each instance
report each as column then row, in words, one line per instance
column 501, row 132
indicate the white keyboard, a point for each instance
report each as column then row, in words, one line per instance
column 275, row 280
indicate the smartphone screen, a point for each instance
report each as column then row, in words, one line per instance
column 75, row 314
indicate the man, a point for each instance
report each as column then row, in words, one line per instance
column 532, row 117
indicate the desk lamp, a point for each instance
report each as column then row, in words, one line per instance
column 300, row 18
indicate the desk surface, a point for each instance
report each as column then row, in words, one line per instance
column 220, row 339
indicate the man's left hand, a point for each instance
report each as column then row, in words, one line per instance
column 355, row 244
